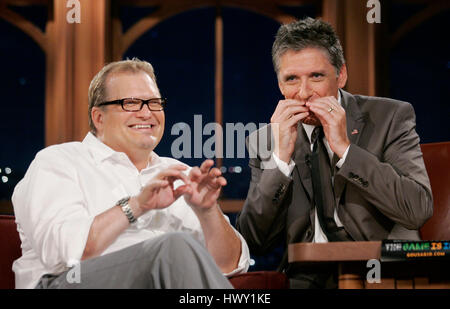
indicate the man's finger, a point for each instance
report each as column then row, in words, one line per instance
column 180, row 167
column 153, row 186
column 328, row 104
column 184, row 189
column 296, row 118
column 290, row 112
column 325, row 107
column 173, row 174
column 158, row 183
column 206, row 165
column 215, row 172
column 195, row 173
column 285, row 104
column 222, row 181
column 216, row 183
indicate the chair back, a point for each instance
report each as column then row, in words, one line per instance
column 437, row 163
column 9, row 250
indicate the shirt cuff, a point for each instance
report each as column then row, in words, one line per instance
column 342, row 160
column 285, row 168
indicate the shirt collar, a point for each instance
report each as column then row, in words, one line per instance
column 100, row 151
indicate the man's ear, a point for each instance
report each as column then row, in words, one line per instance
column 98, row 115
column 342, row 77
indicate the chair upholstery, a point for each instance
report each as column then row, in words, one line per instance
column 437, row 162
column 260, row 280
column 9, row 250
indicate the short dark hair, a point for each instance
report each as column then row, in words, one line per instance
column 306, row 33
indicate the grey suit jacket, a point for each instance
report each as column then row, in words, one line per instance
column 382, row 190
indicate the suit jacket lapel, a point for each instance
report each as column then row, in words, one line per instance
column 301, row 152
column 355, row 119
column 355, row 125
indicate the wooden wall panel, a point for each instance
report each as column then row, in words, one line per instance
column 359, row 40
column 76, row 51
column 358, row 48
column 89, row 58
column 59, row 69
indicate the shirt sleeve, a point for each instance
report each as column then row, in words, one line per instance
column 342, row 160
column 285, row 168
column 51, row 211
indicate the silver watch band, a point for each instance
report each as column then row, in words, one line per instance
column 123, row 203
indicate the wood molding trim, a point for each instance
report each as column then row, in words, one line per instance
column 417, row 19
column 20, row 22
column 168, row 9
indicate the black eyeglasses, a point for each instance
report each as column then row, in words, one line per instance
column 135, row 105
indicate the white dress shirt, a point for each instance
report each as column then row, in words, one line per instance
column 286, row 169
column 67, row 185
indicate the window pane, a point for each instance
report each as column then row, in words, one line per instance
column 250, row 88
column 22, row 114
column 420, row 74
column 181, row 50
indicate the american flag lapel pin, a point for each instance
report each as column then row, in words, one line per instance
column 354, row 132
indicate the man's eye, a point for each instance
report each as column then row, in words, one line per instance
column 290, row 78
column 131, row 102
column 317, row 75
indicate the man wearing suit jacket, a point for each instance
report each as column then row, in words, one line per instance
column 372, row 184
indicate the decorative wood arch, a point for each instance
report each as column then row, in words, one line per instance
column 64, row 44
column 414, row 21
column 170, row 8
column 26, row 26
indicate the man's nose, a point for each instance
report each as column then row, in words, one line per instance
column 145, row 111
column 304, row 91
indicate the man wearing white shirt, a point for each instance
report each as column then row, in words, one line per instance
column 125, row 217
column 343, row 168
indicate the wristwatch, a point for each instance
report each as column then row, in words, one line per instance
column 123, row 203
